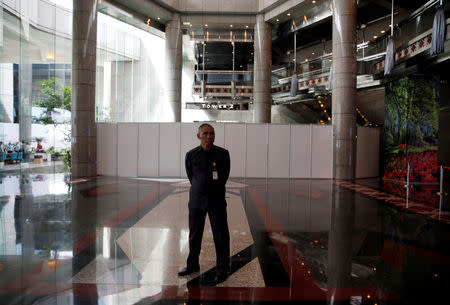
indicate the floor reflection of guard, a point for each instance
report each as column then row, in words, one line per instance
column 208, row 168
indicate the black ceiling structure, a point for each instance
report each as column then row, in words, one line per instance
column 219, row 55
column 369, row 11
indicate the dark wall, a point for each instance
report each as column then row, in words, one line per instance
column 444, row 124
column 444, row 137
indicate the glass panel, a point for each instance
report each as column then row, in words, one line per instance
column 35, row 80
column 130, row 73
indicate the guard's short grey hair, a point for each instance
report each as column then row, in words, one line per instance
column 204, row 125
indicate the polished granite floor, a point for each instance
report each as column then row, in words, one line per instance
column 109, row 240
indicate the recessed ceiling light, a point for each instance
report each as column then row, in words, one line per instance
column 278, row 20
column 375, row 37
column 288, row 14
column 206, row 25
column 313, row 1
column 231, row 25
column 383, row 31
column 246, row 26
column 158, row 18
column 313, row 53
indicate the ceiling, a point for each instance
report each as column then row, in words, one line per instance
column 369, row 12
column 313, row 25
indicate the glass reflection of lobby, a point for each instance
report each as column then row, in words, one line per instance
column 339, row 172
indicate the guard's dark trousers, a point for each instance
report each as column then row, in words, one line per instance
column 219, row 225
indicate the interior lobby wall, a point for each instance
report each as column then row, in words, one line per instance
column 256, row 150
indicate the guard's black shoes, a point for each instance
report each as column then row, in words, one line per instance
column 188, row 270
column 220, row 277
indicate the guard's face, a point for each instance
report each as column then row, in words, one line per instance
column 206, row 137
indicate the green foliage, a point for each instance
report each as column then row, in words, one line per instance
column 57, row 96
column 423, row 118
column 67, row 160
column 51, row 150
column 411, row 114
column 411, row 127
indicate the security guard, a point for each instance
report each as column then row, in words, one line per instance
column 208, row 168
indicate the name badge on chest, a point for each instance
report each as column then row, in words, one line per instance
column 215, row 175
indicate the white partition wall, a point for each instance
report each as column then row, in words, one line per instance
column 169, row 150
column 107, row 149
column 322, row 151
column 188, row 141
column 148, row 151
column 256, row 150
column 127, row 149
column 235, row 139
column 300, row 152
column 279, row 147
column 256, row 159
column 219, row 130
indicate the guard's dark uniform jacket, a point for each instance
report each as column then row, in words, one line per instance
column 207, row 196
column 200, row 164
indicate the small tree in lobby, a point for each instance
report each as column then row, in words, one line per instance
column 56, row 97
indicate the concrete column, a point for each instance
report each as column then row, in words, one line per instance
column 84, row 130
column 344, row 89
column 262, row 95
column 340, row 241
column 85, row 215
column 174, row 60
